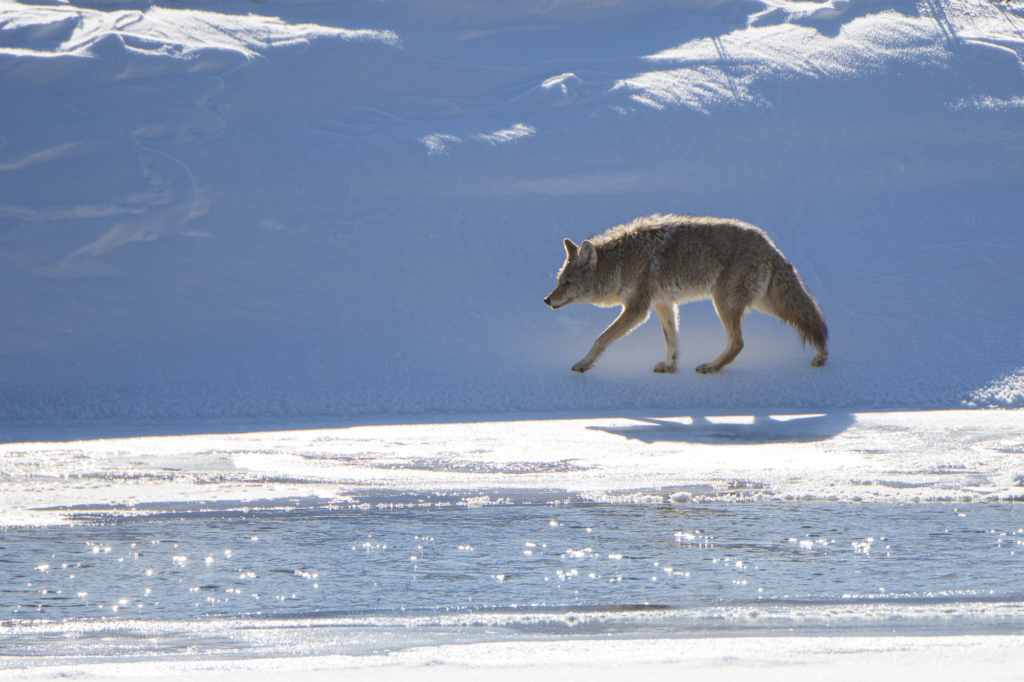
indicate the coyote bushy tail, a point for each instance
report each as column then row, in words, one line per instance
column 793, row 304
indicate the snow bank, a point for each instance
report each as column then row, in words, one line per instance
column 267, row 210
column 767, row 658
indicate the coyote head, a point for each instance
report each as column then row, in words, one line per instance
column 576, row 278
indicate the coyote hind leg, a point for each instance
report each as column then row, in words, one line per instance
column 667, row 316
column 731, row 318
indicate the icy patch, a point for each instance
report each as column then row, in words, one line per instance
column 441, row 143
column 989, row 103
column 438, row 143
column 16, row 518
column 516, row 132
column 625, row 498
column 1006, row 392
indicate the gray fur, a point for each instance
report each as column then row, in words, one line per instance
column 661, row 261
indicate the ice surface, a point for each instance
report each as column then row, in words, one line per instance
column 952, row 456
column 365, row 546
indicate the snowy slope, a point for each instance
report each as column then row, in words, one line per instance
column 270, row 209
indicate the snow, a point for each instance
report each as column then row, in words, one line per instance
column 254, row 251
column 226, row 210
column 772, row 658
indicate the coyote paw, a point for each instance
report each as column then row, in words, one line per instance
column 819, row 360
column 664, row 368
column 582, row 366
column 707, row 369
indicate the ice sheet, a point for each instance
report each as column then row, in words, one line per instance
column 954, row 456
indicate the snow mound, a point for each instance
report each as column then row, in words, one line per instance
column 63, row 29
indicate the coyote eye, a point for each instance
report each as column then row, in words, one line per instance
column 567, row 282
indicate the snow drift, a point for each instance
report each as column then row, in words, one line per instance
column 237, row 209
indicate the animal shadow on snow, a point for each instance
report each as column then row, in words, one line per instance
column 758, row 429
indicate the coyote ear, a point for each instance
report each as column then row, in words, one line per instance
column 570, row 249
column 588, row 255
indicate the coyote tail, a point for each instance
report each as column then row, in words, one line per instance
column 794, row 305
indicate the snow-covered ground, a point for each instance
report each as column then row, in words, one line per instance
column 775, row 658
column 287, row 258
column 230, row 209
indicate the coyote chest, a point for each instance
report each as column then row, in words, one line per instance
column 662, row 261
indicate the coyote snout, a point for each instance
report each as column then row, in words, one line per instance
column 562, row 295
column 662, row 261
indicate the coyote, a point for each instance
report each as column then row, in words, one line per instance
column 664, row 260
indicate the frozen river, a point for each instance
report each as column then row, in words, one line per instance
column 373, row 540
column 412, row 570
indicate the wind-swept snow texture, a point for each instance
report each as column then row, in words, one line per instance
column 234, row 208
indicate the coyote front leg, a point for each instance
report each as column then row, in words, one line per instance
column 667, row 317
column 633, row 314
